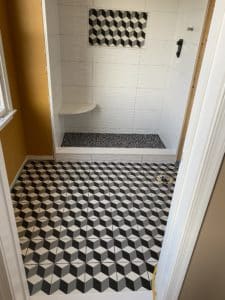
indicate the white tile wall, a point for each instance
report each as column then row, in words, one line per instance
column 191, row 14
column 185, row 65
column 191, row 19
column 52, row 18
column 116, row 55
column 159, row 52
column 162, row 5
column 76, row 25
column 115, row 75
column 77, row 74
column 92, row 122
column 82, row 93
column 139, row 5
column 192, row 5
column 152, row 77
column 136, row 90
column 115, row 98
column 162, row 25
column 146, row 121
column 75, row 2
column 128, row 85
column 113, row 120
column 149, row 99
column 72, row 49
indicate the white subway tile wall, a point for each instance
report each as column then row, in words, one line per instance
column 136, row 90
column 128, row 85
column 190, row 14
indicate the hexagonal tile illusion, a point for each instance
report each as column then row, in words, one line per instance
column 85, row 226
column 117, row 28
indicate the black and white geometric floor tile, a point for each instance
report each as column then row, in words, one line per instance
column 91, row 226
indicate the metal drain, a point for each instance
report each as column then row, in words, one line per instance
column 165, row 179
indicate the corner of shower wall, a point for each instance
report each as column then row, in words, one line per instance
column 191, row 14
column 53, row 53
column 126, row 84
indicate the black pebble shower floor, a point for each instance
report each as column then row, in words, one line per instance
column 112, row 140
column 90, row 226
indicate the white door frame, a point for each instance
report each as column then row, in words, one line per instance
column 203, row 152
column 11, row 259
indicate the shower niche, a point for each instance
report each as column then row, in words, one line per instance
column 117, row 88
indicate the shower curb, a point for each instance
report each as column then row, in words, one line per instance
column 115, row 154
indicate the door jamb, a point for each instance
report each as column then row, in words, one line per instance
column 9, row 244
column 202, row 156
column 195, row 78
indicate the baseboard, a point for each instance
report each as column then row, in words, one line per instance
column 18, row 173
column 40, row 157
column 29, row 157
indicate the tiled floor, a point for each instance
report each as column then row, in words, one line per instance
column 91, row 226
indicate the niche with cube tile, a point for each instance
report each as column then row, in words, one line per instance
column 117, row 28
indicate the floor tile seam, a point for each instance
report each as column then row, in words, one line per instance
column 61, row 223
column 107, row 193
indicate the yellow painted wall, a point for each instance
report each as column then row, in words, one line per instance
column 29, row 51
column 29, row 133
column 12, row 137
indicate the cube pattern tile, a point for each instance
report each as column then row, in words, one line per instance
column 117, row 28
column 88, row 226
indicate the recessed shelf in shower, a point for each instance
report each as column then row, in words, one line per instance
column 76, row 108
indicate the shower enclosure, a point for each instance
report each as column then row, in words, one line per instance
column 120, row 74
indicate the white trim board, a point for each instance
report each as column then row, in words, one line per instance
column 203, row 153
column 115, row 154
column 4, row 121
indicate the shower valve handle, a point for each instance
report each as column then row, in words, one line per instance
column 180, row 43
